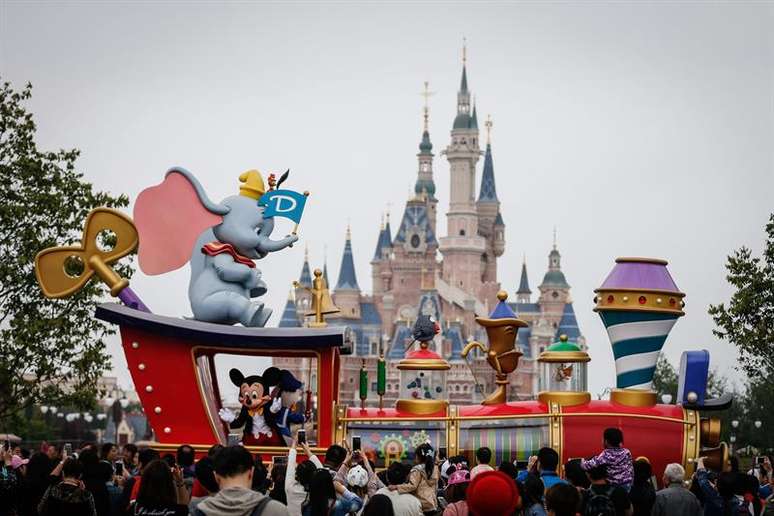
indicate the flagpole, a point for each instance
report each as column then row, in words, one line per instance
column 295, row 228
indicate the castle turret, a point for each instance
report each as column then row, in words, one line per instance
column 554, row 290
column 490, row 221
column 347, row 293
column 302, row 296
column 463, row 248
column 524, row 293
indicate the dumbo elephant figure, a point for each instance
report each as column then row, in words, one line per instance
column 178, row 223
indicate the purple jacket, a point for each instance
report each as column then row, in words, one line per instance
column 620, row 469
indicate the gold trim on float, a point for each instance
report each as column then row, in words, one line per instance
column 339, row 422
column 564, row 356
column 555, row 428
column 423, row 364
column 564, row 399
column 633, row 397
column 520, row 416
column 691, row 438
column 452, row 432
column 632, row 295
column 422, row 407
column 709, row 431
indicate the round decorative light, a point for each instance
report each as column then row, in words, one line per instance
column 625, row 299
column 167, row 430
column 141, row 367
column 692, row 397
column 157, row 410
column 135, row 345
column 658, row 300
column 149, row 388
column 666, row 399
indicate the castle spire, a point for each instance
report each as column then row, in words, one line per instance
column 325, row 265
column 523, row 294
column 347, row 277
column 488, row 190
column 425, row 184
column 305, row 278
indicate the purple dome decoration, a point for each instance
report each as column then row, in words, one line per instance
column 640, row 273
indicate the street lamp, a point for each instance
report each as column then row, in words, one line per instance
column 124, row 402
column 109, row 401
column 666, row 399
column 732, row 439
column 758, row 423
column 43, row 409
column 52, row 409
column 735, row 423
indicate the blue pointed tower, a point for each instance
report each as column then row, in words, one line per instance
column 347, row 293
column 289, row 314
column 490, row 221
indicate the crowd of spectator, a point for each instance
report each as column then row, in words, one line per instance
column 229, row 481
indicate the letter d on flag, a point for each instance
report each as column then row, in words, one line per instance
column 283, row 203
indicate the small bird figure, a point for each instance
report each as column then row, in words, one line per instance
column 563, row 373
column 425, row 328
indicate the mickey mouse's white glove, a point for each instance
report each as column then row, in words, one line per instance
column 276, row 405
column 226, row 415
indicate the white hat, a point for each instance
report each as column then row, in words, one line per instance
column 357, row 476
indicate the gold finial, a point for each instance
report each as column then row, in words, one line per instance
column 488, row 125
column 381, row 224
column 554, row 238
column 427, row 94
column 563, row 337
column 253, row 184
column 349, row 232
column 306, row 251
column 524, row 259
column 502, row 295
column 464, row 50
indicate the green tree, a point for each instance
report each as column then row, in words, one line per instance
column 748, row 320
column 53, row 351
column 665, row 379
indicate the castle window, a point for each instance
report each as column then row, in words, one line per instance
column 554, row 294
column 374, row 348
column 462, row 232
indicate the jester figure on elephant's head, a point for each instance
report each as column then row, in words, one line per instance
column 178, row 223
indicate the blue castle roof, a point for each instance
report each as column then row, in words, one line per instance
column 568, row 324
column 289, row 317
column 347, row 277
column 488, row 191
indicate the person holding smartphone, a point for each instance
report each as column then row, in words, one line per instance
column 10, row 482
column 356, row 473
column 298, row 477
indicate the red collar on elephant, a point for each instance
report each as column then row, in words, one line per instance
column 216, row 247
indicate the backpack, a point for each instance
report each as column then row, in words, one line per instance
column 600, row 504
column 258, row 509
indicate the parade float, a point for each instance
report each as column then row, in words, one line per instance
column 172, row 360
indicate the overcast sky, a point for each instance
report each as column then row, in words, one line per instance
column 637, row 129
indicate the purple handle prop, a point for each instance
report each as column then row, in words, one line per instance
column 132, row 300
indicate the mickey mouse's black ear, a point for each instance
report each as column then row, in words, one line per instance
column 236, row 377
column 271, row 376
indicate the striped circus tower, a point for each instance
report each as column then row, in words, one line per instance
column 638, row 303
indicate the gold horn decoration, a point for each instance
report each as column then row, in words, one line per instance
column 108, row 235
column 322, row 304
column 501, row 328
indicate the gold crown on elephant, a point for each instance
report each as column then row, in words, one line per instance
column 252, row 184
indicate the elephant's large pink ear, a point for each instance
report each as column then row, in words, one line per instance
column 170, row 217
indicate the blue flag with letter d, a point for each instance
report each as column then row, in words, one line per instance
column 283, row 203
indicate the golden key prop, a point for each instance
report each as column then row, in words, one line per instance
column 62, row 271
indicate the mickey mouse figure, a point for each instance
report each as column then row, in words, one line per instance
column 288, row 392
column 254, row 396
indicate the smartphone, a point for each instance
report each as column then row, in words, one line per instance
column 302, row 436
column 279, row 460
column 760, row 460
column 119, row 468
column 68, row 450
column 521, row 465
column 442, row 453
column 355, row 442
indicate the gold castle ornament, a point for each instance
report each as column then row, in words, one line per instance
column 501, row 328
column 322, row 304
